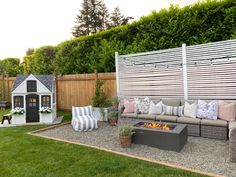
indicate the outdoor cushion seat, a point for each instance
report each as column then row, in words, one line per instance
column 147, row 116
column 166, row 118
column 82, row 119
column 129, row 115
column 219, row 123
column 188, row 120
column 232, row 125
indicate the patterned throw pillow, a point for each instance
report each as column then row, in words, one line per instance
column 190, row 110
column 142, row 105
column 129, row 106
column 227, row 111
column 136, row 105
column 207, row 110
column 173, row 110
column 155, row 108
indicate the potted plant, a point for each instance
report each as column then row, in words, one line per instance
column 112, row 118
column 125, row 135
column 46, row 115
column 115, row 102
column 18, row 115
column 100, row 102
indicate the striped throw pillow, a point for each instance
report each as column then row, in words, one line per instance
column 82, row 119
column 173, row 110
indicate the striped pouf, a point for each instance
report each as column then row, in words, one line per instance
column 82, row 119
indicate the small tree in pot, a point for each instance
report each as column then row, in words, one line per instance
column 112, row 118
column 100, row 102
column 115, row 102
column 125, row 135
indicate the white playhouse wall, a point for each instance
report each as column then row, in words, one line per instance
column 21, row 90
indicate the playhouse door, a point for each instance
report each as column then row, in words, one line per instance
column 32, row 108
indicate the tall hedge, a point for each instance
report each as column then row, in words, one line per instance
column 200, row 23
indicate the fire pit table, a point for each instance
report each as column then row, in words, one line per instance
column 167, row 136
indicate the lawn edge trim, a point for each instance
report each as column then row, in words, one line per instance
column 33, row 133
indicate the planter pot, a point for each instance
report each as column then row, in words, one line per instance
column 18, row 119
column 125, row 141
column 46, row 117
column 112, row 121
column 98, row 115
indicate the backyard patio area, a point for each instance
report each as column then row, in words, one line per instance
column 23, row 155
column 199, row 153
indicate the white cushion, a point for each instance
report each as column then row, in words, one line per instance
column 155, row 108
column 190, row 110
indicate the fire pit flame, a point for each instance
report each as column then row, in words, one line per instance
column 156, row 125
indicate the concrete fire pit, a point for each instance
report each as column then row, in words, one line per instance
column 173, row 139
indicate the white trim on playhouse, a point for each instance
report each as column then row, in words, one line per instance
column 33, row 97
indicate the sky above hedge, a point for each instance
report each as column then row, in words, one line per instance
column 32, row 24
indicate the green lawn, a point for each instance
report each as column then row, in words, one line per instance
column 22, row 155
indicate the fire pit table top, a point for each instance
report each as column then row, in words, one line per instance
column 167, row 136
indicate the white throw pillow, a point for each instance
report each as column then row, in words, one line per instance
column 155, row 108
column 190, row 110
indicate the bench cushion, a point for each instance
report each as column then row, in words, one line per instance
column 130, row 115
column 219, row 123
column 188, row 120
column 147, row 116
column 232, row 125
column 166, row 118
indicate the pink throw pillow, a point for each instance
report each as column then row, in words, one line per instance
column 227, row 111
column 129, row 106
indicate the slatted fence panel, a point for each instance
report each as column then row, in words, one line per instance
column 212, row 70
column 151, row 74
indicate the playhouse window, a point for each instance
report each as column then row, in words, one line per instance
column 46, row 101
column 31, row 86
column 18, row 101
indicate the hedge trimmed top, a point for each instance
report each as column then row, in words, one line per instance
column 203, row 22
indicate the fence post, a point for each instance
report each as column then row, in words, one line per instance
column 117, row 74
column 185, row 78
column 8, row 89
column 95, row 76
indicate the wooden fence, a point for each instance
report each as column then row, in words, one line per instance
column 72, row 90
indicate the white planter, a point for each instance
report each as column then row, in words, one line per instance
column 98, row 115
column 46, row 117
column 18, row 119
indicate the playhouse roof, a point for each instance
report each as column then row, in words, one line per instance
column 46, row 80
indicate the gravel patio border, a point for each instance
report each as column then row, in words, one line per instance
column 199, row 153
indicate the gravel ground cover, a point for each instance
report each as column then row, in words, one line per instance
column 198, row 153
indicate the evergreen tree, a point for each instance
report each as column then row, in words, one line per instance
column 94, row 17
column 83, row 22
column 117, row 19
